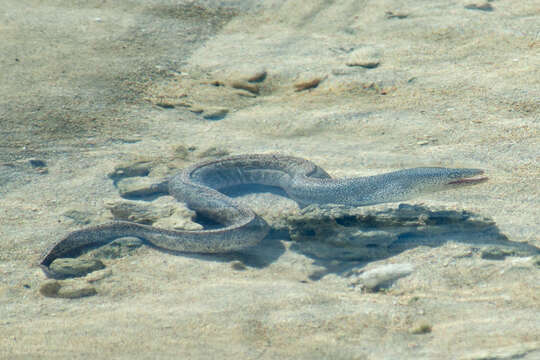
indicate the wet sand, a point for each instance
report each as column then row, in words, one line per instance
column 359, row 88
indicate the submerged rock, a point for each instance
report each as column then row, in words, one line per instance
column 164, row 212
column 382, row 275
column 366, row 57
column 367, row 233
column 213, row 152
column 139, row 211
column 74, row 267
column 118, row 248
column 215, row 113
column 307, row 84
column 140, row 187
column 141, row 167
column 421, row 327
column 68, row 289
column 501, row 252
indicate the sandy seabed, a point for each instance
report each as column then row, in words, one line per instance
column 358, row 87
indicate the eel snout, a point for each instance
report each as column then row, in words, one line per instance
column 470, row 179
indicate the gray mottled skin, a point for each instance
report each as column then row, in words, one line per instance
column 303, row 181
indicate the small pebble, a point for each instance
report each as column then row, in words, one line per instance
column 136, row 168
column 98, row 275
column 214, row 151
column 215, row 113
column 216, row 83
column 483, row 7
column 196, row 109
column 138, row 186
column 238, row 265
column 50, row 288
column 245, row 93
column 366, row 57
column 306, row 85
column 181, row 152
column 393, row 15
column 421, row 328
column 37, row 163
column 252, row 88
column 382, row 275
column 257, row 77
column 496, row 253
column 39, row 166
column 165, row 104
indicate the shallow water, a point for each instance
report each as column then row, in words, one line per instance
column 89, row 86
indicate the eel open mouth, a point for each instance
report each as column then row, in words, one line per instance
column 470, row 180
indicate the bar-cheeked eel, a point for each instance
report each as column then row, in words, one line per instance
column 198, row 186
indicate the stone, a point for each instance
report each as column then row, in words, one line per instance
column 238, row 265
column 117, row 248
column 164, row 212
column 139, row 211
column 76, row 290
column 420, row 328
column 217, row 113
column 40, row 166
column 395, row 15
column 50, row 288
column 307, row 84
column 482, row 7
column 67, row 289
column 74, row 267
column 181, row 152
column 366, row 233
column 196, row 109
column 499, row 252
column 366, row 57
column 382, row 275
column 213, row 152
column 252, row 88
column 258, row 76
column 37, row 163
column 98, row 275
column 135, row 168
column 139, row 187
column 245, row 93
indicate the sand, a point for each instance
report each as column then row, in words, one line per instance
column 358, row 87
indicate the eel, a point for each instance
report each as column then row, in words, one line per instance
column 306, row 183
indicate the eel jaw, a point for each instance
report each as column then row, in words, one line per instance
column 469, row 180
